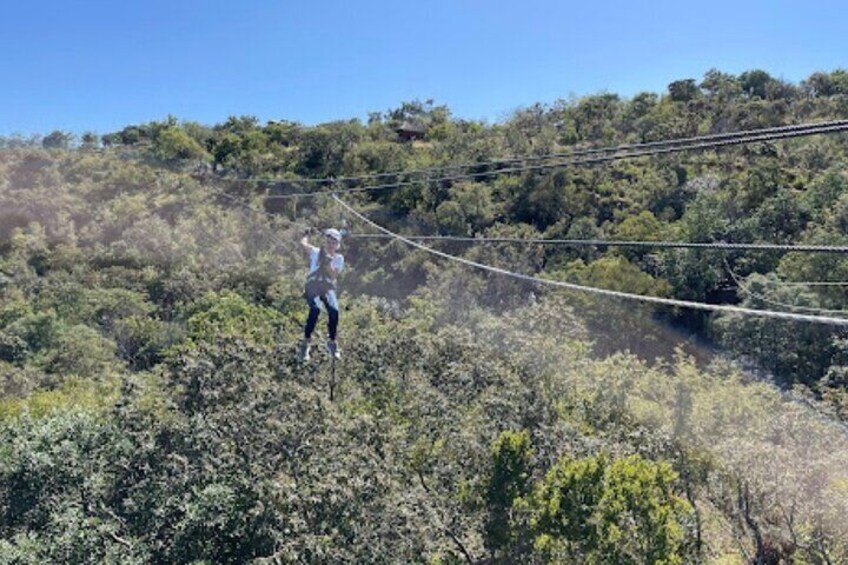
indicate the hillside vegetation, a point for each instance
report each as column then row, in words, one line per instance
column 151, row 409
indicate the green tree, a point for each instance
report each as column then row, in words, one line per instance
column 81, row 351
column 227, row 350
column 475, row 202
column 57, row 140
column 509, row 481
column 175, row 144
column 795, row 352
column 754, row 83
column 722, row 87
column 602, row 510
column 683, row 90
column 89, row 140
column 828, row 84
column 595, row 116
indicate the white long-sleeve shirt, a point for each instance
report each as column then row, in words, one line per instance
column 336, row 261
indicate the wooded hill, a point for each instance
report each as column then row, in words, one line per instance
column 150, row 300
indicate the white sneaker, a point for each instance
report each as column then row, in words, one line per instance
column 333, row 349
column 303, row 351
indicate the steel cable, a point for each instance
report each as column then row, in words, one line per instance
column 600, row 291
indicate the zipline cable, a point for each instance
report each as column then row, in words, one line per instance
column 570, row 162
column 718, row 245
column 599, row 291
column 240, row 202
column 559, row 155
column 746, row 289
column 813, row 283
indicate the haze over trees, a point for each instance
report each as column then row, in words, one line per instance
column 150, row 300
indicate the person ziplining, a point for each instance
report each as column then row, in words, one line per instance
column 325, row 264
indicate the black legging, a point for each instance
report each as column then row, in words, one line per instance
column 331, row 303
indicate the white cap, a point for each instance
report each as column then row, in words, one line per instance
column 334, row 233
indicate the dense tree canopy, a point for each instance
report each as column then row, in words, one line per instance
column 150, row 302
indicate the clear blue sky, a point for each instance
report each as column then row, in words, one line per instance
column 101, row 65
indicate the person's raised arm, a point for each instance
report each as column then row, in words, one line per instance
column 304, row 241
